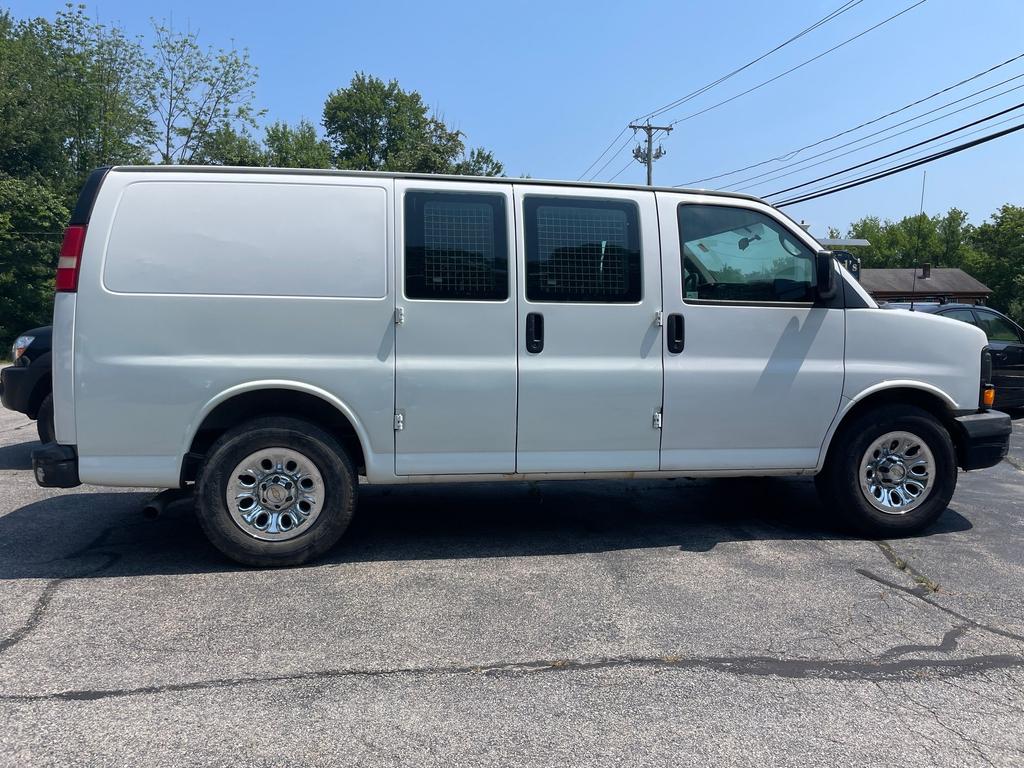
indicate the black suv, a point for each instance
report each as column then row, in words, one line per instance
column 27, row 385
column 1005, row 340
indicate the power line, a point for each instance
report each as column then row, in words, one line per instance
column 801, row 65
column 899, row 151
column 846, row 6
column 612, row 156
column 610, row 145
column 621, row 171
column 792, row 153
column 899, row 169
column 899, row 161
column 870, row 135
column 850, row 4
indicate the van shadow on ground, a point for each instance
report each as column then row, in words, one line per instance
column 104, row 534
column 18, row 456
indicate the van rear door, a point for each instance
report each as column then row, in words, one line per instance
column 590, row 364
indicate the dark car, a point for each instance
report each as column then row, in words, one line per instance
column 26, row 385
column 1005, row 340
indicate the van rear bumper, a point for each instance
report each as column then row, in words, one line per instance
column 56, row 466
column 984, row 439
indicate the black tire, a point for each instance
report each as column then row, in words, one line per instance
column 339, row 478
column 839, row 483
column 44, row 421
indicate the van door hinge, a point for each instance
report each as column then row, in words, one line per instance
column 399, row 315
column 399, row 421
column 657, row 418
column 659, row 318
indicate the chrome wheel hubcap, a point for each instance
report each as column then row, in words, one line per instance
column 896, row 473
column 275, row 494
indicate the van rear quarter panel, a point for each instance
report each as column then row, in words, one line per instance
column 191, row 287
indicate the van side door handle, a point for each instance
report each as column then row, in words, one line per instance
column 534, row 332
column 676, row 333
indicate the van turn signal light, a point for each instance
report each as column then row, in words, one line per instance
column 988, row 396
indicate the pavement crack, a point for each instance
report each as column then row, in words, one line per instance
column 34, row 618
column 924, row 597
column 900, row 564
column 948, row 725
column 45, row 598
column 874, row 669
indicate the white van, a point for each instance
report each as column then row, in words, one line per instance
column 274, row 336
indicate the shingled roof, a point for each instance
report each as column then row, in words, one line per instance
column 898, row 283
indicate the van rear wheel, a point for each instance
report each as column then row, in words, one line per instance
column 275, row 491
column 890, row 472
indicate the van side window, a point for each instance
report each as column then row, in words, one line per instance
column 456, row 246
column 736, row 254
column 581, row 249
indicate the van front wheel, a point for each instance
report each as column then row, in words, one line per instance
column 890, row 472
column 275, row 491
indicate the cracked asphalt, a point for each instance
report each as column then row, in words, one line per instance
column 579, row 623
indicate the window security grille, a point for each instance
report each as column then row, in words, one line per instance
column 583, row 251
column 458, row 248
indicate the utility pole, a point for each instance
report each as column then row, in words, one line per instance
column 649, row 155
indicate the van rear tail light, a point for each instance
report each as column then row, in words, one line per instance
column 70, row 258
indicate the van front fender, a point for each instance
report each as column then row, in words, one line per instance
column 908, row 391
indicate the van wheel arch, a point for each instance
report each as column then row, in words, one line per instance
column 272, row 401
column 919, row 398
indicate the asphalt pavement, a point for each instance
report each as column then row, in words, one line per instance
column 654, row 623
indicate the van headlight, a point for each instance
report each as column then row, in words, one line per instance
column 20, row 345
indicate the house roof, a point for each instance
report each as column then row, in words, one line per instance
column 944, row 282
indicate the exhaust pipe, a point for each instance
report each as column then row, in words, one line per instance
column 156, row 505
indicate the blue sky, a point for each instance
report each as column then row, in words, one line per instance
column 546, row 86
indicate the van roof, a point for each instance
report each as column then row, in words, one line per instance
column 435, row 176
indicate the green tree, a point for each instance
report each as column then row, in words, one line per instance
column 377, row 126
column 31, row 219
column 479, row 162
column 73, row 96
column 953, row 233
column 226, row 146
column 997, row 259
column 196, row 92
column 284, row 146
column 298, row 147
column 904, row 243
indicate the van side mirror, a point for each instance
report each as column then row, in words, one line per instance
column 826, row 274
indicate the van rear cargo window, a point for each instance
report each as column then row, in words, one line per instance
column 456, row 246
column 582, row 250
